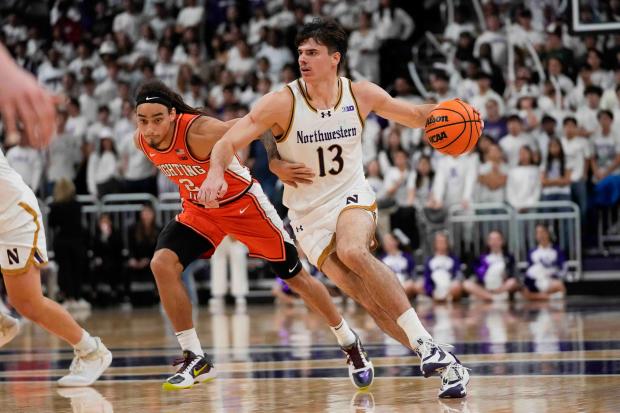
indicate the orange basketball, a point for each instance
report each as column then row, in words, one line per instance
column 453, row 127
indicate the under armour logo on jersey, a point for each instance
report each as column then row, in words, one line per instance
column 13, row 256
column 299, row 228
column 325, row 113
column 353, row 199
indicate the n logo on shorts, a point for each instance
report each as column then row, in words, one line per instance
column 354, row 199
column 13, row 256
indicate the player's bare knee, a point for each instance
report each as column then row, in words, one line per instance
column 163, row 263
column 353, row 255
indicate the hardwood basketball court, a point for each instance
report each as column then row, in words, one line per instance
column 523, row 357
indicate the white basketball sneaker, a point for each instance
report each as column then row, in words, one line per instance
column 9, row 328
column 85, row 369
column 433, row 357
column 454, row 381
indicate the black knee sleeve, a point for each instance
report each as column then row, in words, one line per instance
column 290, row 266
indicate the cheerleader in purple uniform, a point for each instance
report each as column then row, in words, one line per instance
column 494, row 272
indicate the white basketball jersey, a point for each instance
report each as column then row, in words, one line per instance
column 327, row 140
column 13, row 189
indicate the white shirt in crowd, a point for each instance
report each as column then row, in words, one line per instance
column 396, row 25
column 523, row 186
column 392, row 177
column 138, row 166
column 486, row 194
column 479, row 101
column 28, row 163
column 576, row 150
column 64, row 154
column 455, row 179
column 511, row 145
column 190, row 16
column 587, row 118
column 367, row 62
column 100, row 169
column 167, row 73
column 128, row 23
column 605, row 149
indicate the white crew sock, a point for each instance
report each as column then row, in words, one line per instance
column 188, row 339
column 412, row 326
column 343, row 333
column 87, row 343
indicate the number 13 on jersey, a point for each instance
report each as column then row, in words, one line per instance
column 335, row 152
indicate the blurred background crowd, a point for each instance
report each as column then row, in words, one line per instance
column 550, row 100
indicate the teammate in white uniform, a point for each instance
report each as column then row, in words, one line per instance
column 317, row 121
column 22, row 238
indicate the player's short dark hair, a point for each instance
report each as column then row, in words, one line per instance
column 327, row 32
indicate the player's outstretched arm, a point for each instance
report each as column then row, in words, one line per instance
column 22, row 99
column 265, row 114
column 372, row 98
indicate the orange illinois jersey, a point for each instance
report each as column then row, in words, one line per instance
column 181, row 167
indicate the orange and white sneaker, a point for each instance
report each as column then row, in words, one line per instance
column 86, row 368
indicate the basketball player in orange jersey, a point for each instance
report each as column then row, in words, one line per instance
column 22, row 239
column 178, row 140
column 317, row 121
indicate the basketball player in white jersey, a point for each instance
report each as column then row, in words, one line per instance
column 317, row 121
column 22, row 239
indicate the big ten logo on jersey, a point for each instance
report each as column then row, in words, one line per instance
column 348, row 108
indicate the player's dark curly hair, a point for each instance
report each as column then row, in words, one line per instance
column 158, row 88
column 327, row 32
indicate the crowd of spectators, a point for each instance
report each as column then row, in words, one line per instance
column 550, row 99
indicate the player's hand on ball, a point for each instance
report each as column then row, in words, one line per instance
column 291, row 173
column 212, row 188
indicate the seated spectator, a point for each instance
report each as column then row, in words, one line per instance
column 523, row 183
column 494, row 272
column 556, row 175
column 546, row 269
column 548, row 130
column 492, row 176
column 400, row 262
column 142, row 242
column 442, row 273
column 65, row 223
column 106, row 264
